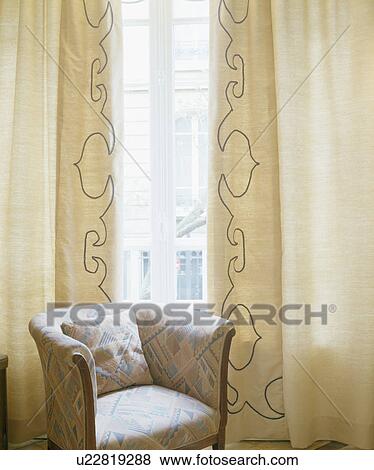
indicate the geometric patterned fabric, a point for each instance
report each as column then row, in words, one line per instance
column 186, row 358
column 180, row 408
column 152, row 417
column 117, row 352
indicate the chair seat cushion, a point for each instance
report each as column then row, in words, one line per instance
column 152, row 417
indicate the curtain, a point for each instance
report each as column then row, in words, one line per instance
column 244, row 240
column 60, row 191
column 291, row 215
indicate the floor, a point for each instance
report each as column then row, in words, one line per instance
column 284, row 445
column 242, row 445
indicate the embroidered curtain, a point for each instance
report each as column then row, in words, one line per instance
column 60, row 75
column 291, row 215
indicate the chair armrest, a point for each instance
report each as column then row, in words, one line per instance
column 191, row 359
column 70, row 386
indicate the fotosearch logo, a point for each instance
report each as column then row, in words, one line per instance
column 196, row 313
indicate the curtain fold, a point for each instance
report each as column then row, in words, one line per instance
column 325, row 150
column 60, row 73
column 306, row 112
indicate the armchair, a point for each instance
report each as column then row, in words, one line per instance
column 185, row 408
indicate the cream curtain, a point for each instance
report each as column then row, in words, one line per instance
column 60, row 73
column 244, row 256
column 291, row 214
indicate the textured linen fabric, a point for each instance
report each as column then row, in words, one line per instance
column 152, row 417
column 326, row 150
column 244, row 233
column 60, row 192
column 291, row 217
column 117, row 351
column 185, row 358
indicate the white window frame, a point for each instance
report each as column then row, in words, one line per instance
column 163, row 243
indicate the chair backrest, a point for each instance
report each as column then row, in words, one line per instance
column 186, row 358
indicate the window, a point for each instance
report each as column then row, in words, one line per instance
column 166, row 46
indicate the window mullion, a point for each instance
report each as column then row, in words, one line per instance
column 162, row 165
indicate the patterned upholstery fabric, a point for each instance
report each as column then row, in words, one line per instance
column 63, row 386
column 152, row 417
column 117, row 352
column 185, row 358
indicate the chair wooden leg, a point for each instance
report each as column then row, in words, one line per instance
column 220, row 444
column 52, row 446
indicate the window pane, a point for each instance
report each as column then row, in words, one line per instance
column 183, row 124
column 136, row 56
column 189, row 275
column 184, row 145
column 191, row 8
column 137, row 274
column 135, row 9
column 191, row 53
column 137, row 190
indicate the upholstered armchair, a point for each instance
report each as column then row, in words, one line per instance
column 185, row 408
